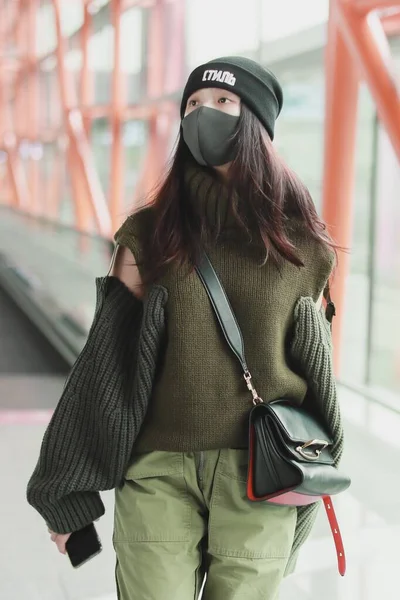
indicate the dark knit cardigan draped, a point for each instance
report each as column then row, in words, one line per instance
column 89, row 442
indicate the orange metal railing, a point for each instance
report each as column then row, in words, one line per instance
column 21, row 112
column 357, row 50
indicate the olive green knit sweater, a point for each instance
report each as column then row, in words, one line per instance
column 89, row 442
column 119, row 376
column 200, row 401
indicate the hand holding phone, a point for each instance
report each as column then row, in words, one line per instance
column 83, row 545
column 60, row 539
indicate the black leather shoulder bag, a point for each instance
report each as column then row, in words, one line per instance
column 290, row 460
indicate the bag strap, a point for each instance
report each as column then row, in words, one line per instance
column 233, row 335
column 227, row 319
column 222, row 308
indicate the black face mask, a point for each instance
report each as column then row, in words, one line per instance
column 208, row 133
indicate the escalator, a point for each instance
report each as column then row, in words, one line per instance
column 31, row 370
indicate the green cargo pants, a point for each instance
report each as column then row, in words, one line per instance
column 181, row 516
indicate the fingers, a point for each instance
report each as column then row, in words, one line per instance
column 60, row 540
column 60, row 543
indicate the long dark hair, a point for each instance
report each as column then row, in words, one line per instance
column 265, row 195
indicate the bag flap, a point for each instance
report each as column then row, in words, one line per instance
column 298, row 424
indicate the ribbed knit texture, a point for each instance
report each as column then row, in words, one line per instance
column 88, row 443
column 200, row 400
column 166, row 359
column 311, row 348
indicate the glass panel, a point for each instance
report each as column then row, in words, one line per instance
column 302, row 122
column 96, row 5
column 101, row 146
column 71, row 14
column 47, row 170
column 66, row 214
column 212, row 32
column 378, row 336
column 385, row 352
column 73, row 64
column 50, row 103
column 132, row 65
column 135, row 138
column 244, row 28
column 356, row 316
column 5, row 189
column 46, row 38
column 301, row 126
column 280, row 19
column 101, row 62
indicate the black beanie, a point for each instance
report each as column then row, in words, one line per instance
column 256, row 86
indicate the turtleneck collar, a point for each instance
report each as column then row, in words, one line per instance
column 210, row 198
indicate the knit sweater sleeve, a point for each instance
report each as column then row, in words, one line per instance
column 312, row 350
column 89, row 440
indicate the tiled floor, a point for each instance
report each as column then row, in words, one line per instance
column 31, row 569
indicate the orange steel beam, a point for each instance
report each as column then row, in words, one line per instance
column 85, row 98
column 149, row 171
column 175, row 63
column 142, row 3
column 127, row 4
column 117, row 101
column 9, row 63
column 96, row 111
column 391, row 24
column 55, row 188
column 366, row 6
column 356, row 46
column 17, row 94
column 5, row 197
column 156, row 51
column 16, row 174
column 33, row 104
column 153, row 161
column 164, row 78
column 2, row 114
column 86, row 76
column 54, row 104
column 11, row 10
column 13, row 115
column 369, row 47
column 19, row 36
column 339, row 158
column 138, row 112
column 82, row 165
column 78, row 188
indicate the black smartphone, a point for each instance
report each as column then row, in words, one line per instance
column 83, row 545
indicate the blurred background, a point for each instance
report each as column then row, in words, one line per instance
column 89, row 96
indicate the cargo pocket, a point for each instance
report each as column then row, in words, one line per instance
column 153, row 504
column 240, row 528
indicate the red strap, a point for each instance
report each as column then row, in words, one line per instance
column 337, row 537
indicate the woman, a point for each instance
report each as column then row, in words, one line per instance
column 181, row 511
